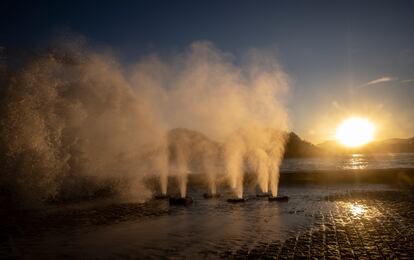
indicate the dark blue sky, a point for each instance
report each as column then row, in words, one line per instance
column 344, row 57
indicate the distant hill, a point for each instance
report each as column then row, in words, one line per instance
column 295, row 146
column 393, row 145
column 330, row 145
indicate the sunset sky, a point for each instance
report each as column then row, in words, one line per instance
column 343, row 57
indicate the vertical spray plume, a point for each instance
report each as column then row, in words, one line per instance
column 276, row 149
column 209, row 160
column 182, row 171
column 160, row 165
column 76, row 122
column 259, row 163
column 179, row 149
column 163, row 172
column 234, row 163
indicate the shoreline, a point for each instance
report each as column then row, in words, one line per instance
column 396, row 176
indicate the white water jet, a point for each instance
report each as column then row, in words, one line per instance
column 234, row 164
column 210, row 169
column 182, row 171
column 208, row 156
column 162, row 169
column 259, row 163
column 274, row 180
column 275, row 156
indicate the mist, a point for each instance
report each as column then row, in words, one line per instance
column 77, row 122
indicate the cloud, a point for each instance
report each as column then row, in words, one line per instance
column 379, row 80
column 406, row 80
column 336, row 105
column 386, row 79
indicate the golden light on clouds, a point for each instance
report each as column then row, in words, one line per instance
column 355, row 131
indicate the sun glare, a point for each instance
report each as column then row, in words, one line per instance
column 355, row 131
column 357, row 210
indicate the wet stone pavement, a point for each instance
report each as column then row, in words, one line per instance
column 337, row 223
column 358, row 225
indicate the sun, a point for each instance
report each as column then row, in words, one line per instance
column 355, row 131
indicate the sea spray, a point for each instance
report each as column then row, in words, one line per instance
column 73, row 128
column 76, row 122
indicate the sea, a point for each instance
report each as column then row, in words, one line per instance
column 350, row 162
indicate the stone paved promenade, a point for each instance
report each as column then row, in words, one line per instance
column 344, row 222
column 360, row 225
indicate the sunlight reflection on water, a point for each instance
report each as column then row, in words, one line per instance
column 357, row 161
column 349, row 162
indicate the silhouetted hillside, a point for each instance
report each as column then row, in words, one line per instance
column 297, row 147
column 393, row 145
